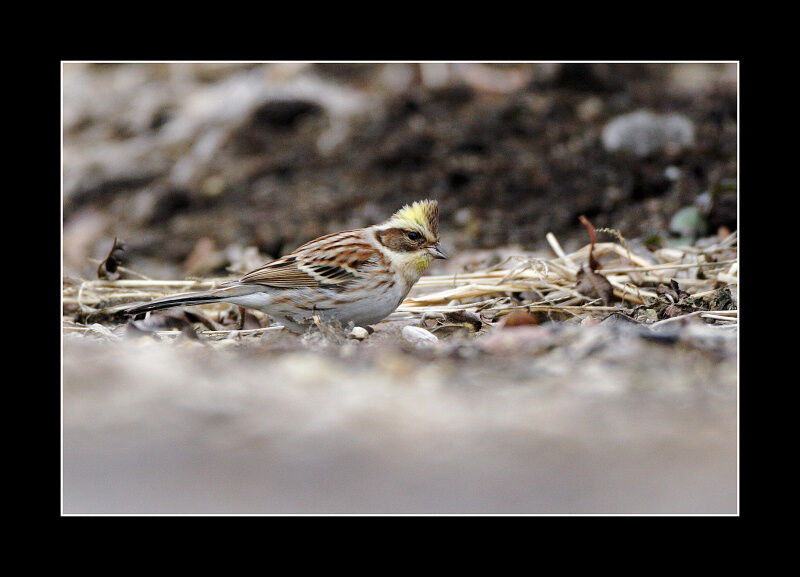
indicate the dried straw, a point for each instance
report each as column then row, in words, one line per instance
column 526, row 281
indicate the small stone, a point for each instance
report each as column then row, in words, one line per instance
column 419, row 336
column 704, row 202
column 643, row 133
column 672, row 173
column 519, row 318
column 358, row 333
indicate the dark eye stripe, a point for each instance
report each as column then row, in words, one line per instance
column 397, row 239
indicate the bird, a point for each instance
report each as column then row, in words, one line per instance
column 356, row 277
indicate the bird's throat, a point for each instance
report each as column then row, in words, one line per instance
column 421, row 262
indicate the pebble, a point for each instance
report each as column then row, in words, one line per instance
column 419, row 336
column 643, row 133
column 358, row 333
column 672, row 173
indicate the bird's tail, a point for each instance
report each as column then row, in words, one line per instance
column 198, row 298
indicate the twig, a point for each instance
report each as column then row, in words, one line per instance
column 553, row 242
column 667, row 266
column 234, row 332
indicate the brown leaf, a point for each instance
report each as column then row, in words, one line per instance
column 593, row 262
column 519, row 318
column 672, row 292
column 109, row 268
column 591, row 283
column 672, row 311
column 594, row 285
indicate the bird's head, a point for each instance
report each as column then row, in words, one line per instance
column 411, row 236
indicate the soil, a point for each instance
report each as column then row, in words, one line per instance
column 167, row 156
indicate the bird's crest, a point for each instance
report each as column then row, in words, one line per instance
column 422, row 213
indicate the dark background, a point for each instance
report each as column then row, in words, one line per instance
column 175, row 158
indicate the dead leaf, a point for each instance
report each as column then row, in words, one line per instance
column 722, row 300
column 462, row 322
column 672, row 311
column 109, row 268
column 593, row 263
column 672, row 292
column 589, row 282
column 594, row 285
column 675, row 301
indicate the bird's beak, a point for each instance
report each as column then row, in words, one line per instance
column 436, row 251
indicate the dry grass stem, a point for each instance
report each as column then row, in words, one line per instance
column 527, row 281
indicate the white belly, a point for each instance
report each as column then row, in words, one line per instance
column 368, row 310
column 299, row 305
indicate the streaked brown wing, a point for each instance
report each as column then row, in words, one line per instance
column 281, row 273
column 330, row 260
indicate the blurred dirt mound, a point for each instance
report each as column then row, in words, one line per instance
column 543, row 419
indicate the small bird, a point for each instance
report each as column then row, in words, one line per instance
column 355, row 276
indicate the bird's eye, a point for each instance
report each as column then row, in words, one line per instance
column 413, row 235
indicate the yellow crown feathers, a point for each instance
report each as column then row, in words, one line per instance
column 422, row 213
